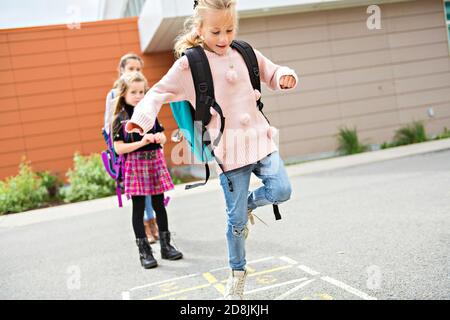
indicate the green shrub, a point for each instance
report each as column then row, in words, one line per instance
column 349, row 143
column 444, row 135
column 88, row 180
column 412, row 133
column 386, row 145
column 51, row 183
column 22, row 192
column 176, row 180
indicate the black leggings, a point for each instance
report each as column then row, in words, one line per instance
column 138, row 214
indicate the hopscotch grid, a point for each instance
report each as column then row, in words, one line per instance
column 348, row 288
column 178, row 292
column 308, row 270
column 296, row 288
column 271, row 286
column 291, row 262
column 164, row 281
column 288, row 260
column 275, row 285
column 195, row 274
column 249, row 262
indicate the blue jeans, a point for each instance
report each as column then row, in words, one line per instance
column 276, row 189
column 148, row 213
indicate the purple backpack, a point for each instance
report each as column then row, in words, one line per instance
column 114, row 164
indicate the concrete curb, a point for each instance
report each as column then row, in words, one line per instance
column 85, row 207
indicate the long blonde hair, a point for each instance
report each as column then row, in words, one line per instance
column 189, row 37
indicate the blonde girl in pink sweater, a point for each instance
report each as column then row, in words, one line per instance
column 213, row 26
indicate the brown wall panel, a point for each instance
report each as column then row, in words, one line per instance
column 53, row 80
column 11, row 131
column 5, row 63
column 45, row 99
column 4, row 49
column 53, row 84
column 48, row 59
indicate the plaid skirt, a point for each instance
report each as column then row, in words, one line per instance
column 146, row 173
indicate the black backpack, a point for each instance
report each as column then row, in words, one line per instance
column 193, row 122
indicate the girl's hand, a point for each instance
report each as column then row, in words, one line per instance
column 287, row 82
column 149, row 138
column 160, row 138
column 131, row 127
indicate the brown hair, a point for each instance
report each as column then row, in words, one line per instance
column 124, row 60
column 123, row 84
column 189, row 37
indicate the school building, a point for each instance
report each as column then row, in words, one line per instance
column 373, row 65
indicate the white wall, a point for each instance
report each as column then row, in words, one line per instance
column 161, row 20
column 31, row 13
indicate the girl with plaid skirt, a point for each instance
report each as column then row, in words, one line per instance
column 131, row 62
column 145, row 168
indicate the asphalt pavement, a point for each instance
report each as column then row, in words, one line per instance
column 371, row 230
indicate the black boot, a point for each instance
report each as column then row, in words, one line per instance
column 167, row 250
column 146, row 253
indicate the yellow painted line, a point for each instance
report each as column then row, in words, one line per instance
column 250, row 269
column 265, row 271
column 270, row 270
column 324, row 296
column 209, row 277
column 220, row 287
column 178, row 292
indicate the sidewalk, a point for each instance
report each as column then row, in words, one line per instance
column 85, row 207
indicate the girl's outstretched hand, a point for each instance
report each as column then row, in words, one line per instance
column 160, row 138
column 131, row 127
column 287, row 82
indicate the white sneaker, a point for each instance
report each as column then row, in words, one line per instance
column 235, row 285
column 251, row 217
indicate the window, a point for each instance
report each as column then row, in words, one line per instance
column 133, row 8
column 447, row 19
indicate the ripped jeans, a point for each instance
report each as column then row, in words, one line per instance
column 276, row 189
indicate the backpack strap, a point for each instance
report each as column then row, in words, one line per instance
column 204, row 89
column 249, row 56
column 205, row 99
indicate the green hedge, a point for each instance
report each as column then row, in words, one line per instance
column 87, row 180
column 25, row 191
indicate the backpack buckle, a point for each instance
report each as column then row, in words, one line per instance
column 209, row 101
column 203, row 87
column 256, row 71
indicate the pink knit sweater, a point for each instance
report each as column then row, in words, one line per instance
column 247, row 137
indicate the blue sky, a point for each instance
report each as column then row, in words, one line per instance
column 29, row 13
